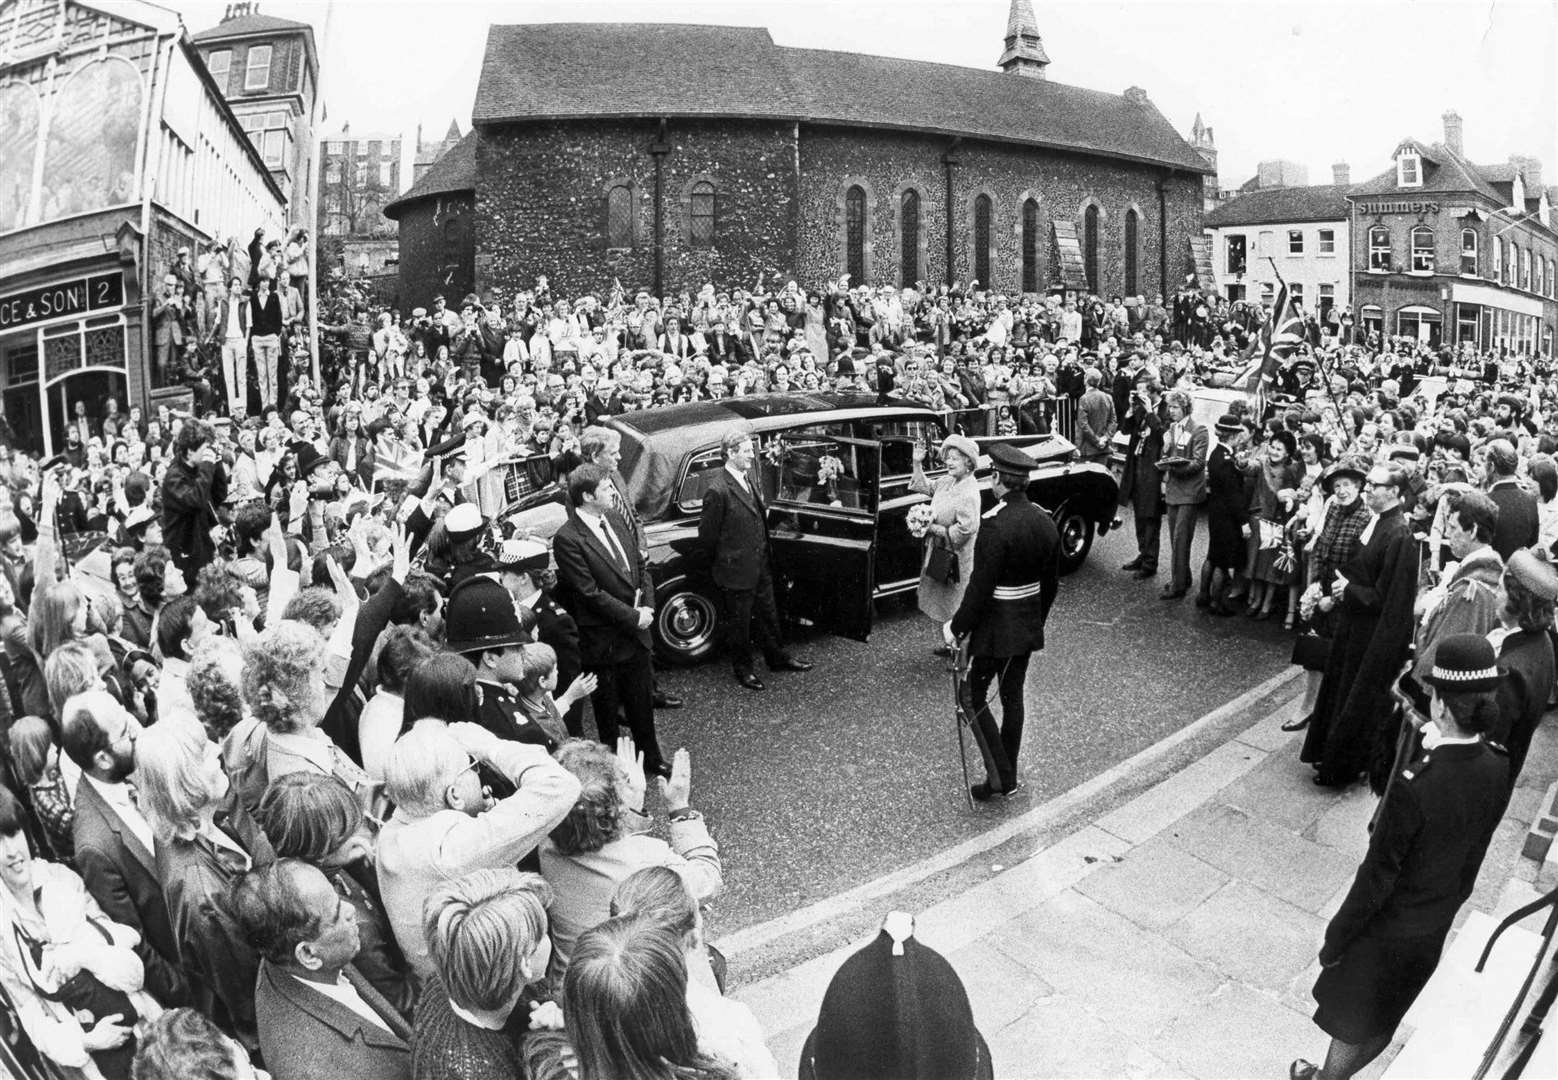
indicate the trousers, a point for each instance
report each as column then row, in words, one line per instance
column 999, row 746
column 625, row 688
column 1182, row 533
column 267, row 357
column 748, row 615
column 1148, row 528
column 235, row 370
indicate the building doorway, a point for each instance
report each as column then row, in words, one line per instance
column 92, row 388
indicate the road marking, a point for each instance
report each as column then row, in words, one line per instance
column 765, row 933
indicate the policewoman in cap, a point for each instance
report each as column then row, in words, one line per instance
column 1008, row 597
column 1438, row 816
column 483, row 626
column 520, row 565
column 464, row 558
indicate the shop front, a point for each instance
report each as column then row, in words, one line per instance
column 64, row 343
column 1490, row 318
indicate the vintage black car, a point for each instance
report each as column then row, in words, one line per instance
column 835, row 472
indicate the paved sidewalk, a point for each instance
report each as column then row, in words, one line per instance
column 1174, row 936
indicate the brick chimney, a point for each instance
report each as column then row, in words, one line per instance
column 1532, row 167
column 239, row 9
column 1452, row 133
column 1341, row 173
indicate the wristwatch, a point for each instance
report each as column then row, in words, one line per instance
column 687, row 813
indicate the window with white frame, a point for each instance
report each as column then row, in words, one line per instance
column 1422, row 250
column 1512, row 265
column 1236, row 253
column 1328, row 241
column 1498, row 260
column 270, row 136
column 1469, row 252
column 1268, row 293
column 1295, row 241
column 1327, row 298
column 1379, row 248
column 219, row 64
column 1296, row 293
column 256, row 74
column 1409, row 170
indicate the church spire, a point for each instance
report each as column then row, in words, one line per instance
column 1024, row 53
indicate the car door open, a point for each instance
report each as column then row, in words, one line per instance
column 822, row 491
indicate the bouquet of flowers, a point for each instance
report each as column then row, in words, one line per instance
column 829, row 468
column 920, row 518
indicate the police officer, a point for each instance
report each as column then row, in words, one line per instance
column 1008, row 597
column 1435, row 823
column 521, row 566
column 484, row 627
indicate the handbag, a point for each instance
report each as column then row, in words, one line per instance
column 1311, row 651
column 941, row 565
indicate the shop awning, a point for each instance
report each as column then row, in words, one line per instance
column 1463, row 293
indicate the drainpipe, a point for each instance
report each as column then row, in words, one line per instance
column 659, row 148
column 1163, row 280
column 948, row 160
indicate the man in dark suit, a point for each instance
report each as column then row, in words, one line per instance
column 1005, row 605
column 1141, row 486
column 733, row 536
column 605, row 585
column 115, row 848
column 1518, row 524
column 1185, row 445
column 1435, row 823
column 317, row 1015
column 726, row 346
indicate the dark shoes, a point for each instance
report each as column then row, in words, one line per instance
column 1144, row 573
column 663, row 700
column 750, row 681
column 790, row 663
column 1173, row 594
column 983, row 792
column 1134, row 564
column 1298, row 725
column 1303, row 1070
column 1203, row 601
column 941, row 650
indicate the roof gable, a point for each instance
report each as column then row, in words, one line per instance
column 555, row 71
column 1444, row 171
column 245, row 25
column 455, row 171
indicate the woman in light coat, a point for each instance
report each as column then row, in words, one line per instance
column 954, row 504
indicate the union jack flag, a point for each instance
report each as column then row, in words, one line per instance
column 1282, row 332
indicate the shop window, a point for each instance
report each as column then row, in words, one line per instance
column 1379, row 248
column 982, row 212
column 1234, row 249
column 619, row 216
column 1327, row 241
column 1469, row 252
column 1090, row 247
column 908, row 237
column 1030, row 245
column 1409, row 171
column 1422, row 250
column 855, row 234
column 220, row 63
column 1295, row 241
column 700, row 216
column 256, row 75
column 1130, row 251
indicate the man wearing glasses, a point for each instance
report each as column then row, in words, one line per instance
column 1374, row 594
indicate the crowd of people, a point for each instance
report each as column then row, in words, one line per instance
column 297, row 763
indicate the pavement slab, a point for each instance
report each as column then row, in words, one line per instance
column 1154, row 885
column 1266, row 855
column 1250, row 935
column 1060, row 1038
column 1238, row 1032
column 1000, row 987
column 1279, row 790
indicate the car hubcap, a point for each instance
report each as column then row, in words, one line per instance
column 687, row 621
column 1073, row 534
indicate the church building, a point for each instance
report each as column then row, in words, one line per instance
column 665, row 156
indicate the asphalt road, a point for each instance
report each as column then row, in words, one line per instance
column 834, row 777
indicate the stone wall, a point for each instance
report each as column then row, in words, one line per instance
column 437, row 242
column 885, row 163
column 542, row 194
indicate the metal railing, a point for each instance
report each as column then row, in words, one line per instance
column 1038, row 417
column 1517, row 1046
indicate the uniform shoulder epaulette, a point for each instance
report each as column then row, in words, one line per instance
column 994, row 510
column 1417, row 768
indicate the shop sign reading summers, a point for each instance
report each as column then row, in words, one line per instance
column 81, row 296
column 1367, row 208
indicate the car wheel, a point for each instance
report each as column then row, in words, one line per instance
column 686, row 625
column 1076, row 538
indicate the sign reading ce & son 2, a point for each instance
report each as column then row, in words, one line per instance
column 81, row 296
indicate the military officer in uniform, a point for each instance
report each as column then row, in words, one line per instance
column 1434, row 826
column 1001, row 620
column 483, row 626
